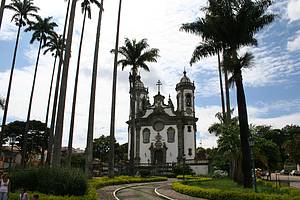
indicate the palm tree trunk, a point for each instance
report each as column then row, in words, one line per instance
column 53, row 117
column 113, row 104
column 24, row 148
column 50, row 91
column 75, row 95
column 221, row 86
column 63, row 89
column 1, row 11
column 132, row 125
column 9, row 85
column 244, row 130
column 228, row 111
column 90, row 133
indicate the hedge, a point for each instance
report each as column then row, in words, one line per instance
column 218, row 194
column 193, row 177
column 105, row 181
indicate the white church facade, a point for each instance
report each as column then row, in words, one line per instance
column 163, row 134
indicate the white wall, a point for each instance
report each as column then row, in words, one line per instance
column 189, row 142
column 200, row 169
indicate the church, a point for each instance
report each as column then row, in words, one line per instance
column 162, row 133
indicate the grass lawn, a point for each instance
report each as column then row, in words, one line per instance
column 227, row 189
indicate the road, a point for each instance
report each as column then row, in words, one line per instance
column 145, row 192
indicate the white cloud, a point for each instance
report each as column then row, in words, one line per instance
column 294, row 43
column 293, row 10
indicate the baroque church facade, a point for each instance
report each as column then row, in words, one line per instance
column 164, row 134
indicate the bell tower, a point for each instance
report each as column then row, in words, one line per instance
column 185, row 96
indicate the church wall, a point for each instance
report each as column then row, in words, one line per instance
column 189, row 142
column 172, row 151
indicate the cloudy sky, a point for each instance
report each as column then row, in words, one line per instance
column 272, row 86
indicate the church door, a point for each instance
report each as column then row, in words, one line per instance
column 158, row 157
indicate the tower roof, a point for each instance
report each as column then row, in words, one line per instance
column 185, row 83
column 185, row 79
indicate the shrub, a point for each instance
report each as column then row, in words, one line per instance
column 56, row 181
column 179, row 169
column 232, row 194
column 144, row 173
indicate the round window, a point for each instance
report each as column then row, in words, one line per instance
column 158, row 126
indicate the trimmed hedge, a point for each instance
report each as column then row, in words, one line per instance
column 105, row 181
column 192, row 177
column 55, row 181
column 91, row 195
column 219, row 194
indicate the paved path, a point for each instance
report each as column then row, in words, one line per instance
column 143, row 191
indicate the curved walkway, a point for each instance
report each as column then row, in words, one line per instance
column 151, row 191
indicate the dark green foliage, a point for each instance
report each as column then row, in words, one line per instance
column 179, row 169
column 145, row 173
column 56, row 181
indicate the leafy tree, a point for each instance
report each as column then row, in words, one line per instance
column 135, row 54
column 42, row 28
column 37, row 137
column 23, row 10
column 292, row 145
column 90, row 131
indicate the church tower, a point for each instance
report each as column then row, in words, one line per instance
column 186, row 109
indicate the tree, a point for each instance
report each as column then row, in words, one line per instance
column 90, row 131
column 2, row 103
column 292, row 144
column 86, row 10
column 63, row 89
column 55, row 101
column 23, row 10
column 55, row 45
column 234, row 23
column 1, row 11
column 38, row 135
column 42, row 28
column 135, row 54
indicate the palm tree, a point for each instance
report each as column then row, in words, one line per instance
column 86, row 9
column 2, row 103
column 55, row 101
column 234, row 23
column 63, row 89
column 23, row 10
column 114, row 93
column 90, row 132
column 55, row 45
column 42, row 28
column 136, row 54
column 1, row 11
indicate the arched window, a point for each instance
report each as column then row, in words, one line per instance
column 171, row 135
column 188, row 100
column 146, row 135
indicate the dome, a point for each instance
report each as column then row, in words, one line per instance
column 185, row 79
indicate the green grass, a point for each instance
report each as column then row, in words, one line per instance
column 222, row 189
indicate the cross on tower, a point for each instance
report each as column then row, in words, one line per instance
column 159, row 84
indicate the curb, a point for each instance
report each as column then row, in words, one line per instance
column 161, row 195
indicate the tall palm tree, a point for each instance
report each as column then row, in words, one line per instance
column 90, row 132
column 234, row 24
column 86, row 10
column 136, row 54
column 55, row 45
column 55, row 100
column 1, row 11
column 42, row 28
column 114, row 93
column 23, row 11
column 56, row 162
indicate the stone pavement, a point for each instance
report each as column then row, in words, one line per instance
column 164, row 189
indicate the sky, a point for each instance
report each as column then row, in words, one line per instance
column 272, row 86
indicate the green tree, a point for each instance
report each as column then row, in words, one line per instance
column 57, row 85
column 41, row 29
column 90, row 131
column 22, row 11
column 135, row 54
column 63, row 89
column 55, row 45
column 86, row 10
column 233, row 24
column 292, row 144
column 37, row 137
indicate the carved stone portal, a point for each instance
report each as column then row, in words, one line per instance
column 158, row 151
